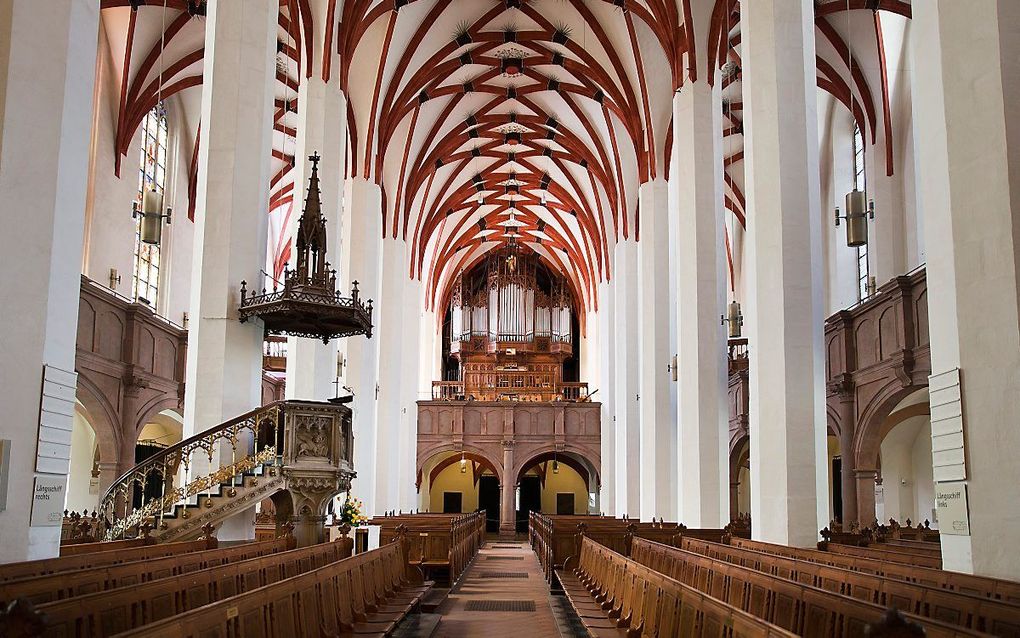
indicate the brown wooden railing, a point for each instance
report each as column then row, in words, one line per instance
column 516, row 386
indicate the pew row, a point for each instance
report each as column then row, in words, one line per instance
column 74, row 549
column 439, row 544
column 796, row 607
column 978, row 585
column 62, row 585
column 616, row 596
column 91, row 560
column 111, row 612
column 914, row 558
column 956, row 608
column 555, row 538
column 365, row 595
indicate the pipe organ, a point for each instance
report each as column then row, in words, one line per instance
column 511, row 330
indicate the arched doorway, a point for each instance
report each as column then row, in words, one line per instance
column 555, row 483
column 460, row 482
column 83, row 469
column 898, row 445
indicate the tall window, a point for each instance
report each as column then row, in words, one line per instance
column 863, row 272
column 151, row 176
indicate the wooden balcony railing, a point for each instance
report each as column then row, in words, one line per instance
column 515, row 387
column 274, row 354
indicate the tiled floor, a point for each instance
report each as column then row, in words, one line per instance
column 478, row 584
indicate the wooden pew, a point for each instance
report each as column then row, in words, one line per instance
column 439, row 543
column 111, row 612
column 977, row 585
column 892, row 555
column 616, row 596
column 973, row 612
column 369, row 593
column 51, row 587
column 556, row 538
column 75, row 549
column 801, row 609
column 91, row 560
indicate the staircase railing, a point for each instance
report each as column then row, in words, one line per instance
column 207, row 459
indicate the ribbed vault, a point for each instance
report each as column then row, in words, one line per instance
column 486, row 120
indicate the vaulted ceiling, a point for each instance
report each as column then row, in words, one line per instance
column 486, row 120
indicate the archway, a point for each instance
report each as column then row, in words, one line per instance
column 902, row 405
column 905, row 487
column 460, row 482
column 555, row 483
column 740, row 478
column 83, row 468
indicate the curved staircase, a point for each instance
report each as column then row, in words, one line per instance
column 303, row 447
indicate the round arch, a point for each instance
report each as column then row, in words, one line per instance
column 870, row 431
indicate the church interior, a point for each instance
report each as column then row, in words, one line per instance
column 554, row 318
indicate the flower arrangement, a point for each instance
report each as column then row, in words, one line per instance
column 351, row 512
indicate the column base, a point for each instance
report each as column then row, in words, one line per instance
column 507, row 533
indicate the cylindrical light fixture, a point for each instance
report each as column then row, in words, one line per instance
column 150, row 228
column 734, row 319
column 858, row 211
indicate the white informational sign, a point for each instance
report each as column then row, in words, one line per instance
column 951, row 506
column 48, row 501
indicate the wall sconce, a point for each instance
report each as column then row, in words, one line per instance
column 151, row 212
column 184, row 321
column 463, row 464
column 858, row 211
column 734, row 319
column 114, row 278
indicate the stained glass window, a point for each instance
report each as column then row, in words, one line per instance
column 863, row 271
column 151, row 176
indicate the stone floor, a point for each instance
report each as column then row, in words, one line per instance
column 495, row 597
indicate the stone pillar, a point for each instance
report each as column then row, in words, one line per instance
column 224, row 365
column 606, row 394
column 787, row 410
column 966, row 90
column 508, row 494
column 626, row 380
column 47, row 77
column 847, row 426
column 703, row 412
column 322, row 129
column 657, row 430
column 363, row 250
column 409, row 335
column 392, row 314
column 864, row 484
column 734, row 500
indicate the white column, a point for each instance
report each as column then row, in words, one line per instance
column 966, row 109
column 363, row 251
column 47, row 78
column 703, row 428
column 658, row 430
column 410, row 316
column 224, row 368
column 627, row 389
column 787, row 402
column 393, row 317
column 322, row 129
column 605, row 384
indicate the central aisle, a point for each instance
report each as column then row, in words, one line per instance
column 505, row 576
